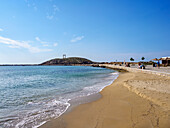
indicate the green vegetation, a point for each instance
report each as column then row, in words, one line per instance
column 142, row 58
column 131, row 59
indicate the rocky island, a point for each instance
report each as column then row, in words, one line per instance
column 68, row 61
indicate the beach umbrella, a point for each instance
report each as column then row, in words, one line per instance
column 156, row 59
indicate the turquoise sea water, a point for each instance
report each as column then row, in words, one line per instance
column 31, row 95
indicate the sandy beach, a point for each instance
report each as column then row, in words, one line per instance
column 133, row 100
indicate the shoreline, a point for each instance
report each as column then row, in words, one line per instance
column 114, row 108
column 89, row 98
column 83, row 100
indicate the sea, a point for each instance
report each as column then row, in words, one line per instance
column 32, row 95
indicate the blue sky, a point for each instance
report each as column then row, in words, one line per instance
column 33, row 31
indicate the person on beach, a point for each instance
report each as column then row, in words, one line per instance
column 154, row 65
column 158, row 64
column 127, row 64
column 139, row 65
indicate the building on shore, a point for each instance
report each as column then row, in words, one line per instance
column 165, row 61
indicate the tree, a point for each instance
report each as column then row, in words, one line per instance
column 131, row 59
column 142, row 58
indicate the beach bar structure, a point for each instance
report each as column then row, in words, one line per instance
column 165, row 61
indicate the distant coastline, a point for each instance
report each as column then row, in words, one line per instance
column 19, row 64
column 75, row 61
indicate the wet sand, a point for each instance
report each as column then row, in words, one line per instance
column 133, row 100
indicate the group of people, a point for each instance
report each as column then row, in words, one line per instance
column 141, row 66
column 127, row 64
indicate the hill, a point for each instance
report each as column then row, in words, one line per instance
column 68, row 61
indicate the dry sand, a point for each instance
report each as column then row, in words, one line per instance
column 134, row 100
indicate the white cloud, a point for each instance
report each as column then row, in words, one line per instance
column 55, row 8
column 55, row 44
column 1, row 30
column 21, row 44
column 31, row 5
column 45, row 44
column 14, row 46
column 78, row 38
column 52, row 13
column 37, row 39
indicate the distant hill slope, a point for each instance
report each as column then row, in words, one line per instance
column 68, row 61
